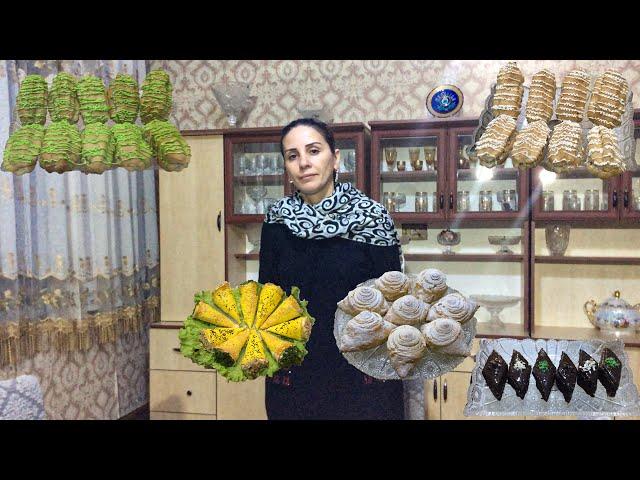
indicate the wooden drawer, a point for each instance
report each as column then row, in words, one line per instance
column 469, row 362
column 183, row 392
column 241, row 400
column 179, row 416
column 162, row 353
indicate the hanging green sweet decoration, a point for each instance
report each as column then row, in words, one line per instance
column 61, row 148
column 63, row 98
column 31, row 102
column 170, row 149
column 93, row 100
column 98, row 148
column 131, row 150
column 156, row 100
column 22, row 149
column 124, row 101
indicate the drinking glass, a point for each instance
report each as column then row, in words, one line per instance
column 388, row 200
column 421, row 201
column 401, row 200
column 592, row 199
column 263, row 164
column 548, row 201
column 486, row 201
column 463, row 201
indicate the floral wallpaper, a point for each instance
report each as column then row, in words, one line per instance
column 354, row 90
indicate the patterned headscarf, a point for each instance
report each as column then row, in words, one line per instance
column 347, row 213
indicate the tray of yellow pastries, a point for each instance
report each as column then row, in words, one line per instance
column 405, row 326
column 247, row 331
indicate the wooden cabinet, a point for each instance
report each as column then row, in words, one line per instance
column 411, row 158
column 192, row 251
column 183, row 390
column 191, row 234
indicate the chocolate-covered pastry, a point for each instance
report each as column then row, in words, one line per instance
column 609, row 371
column 495, row 374
column 587, row 373
column 566, row 376
column 544, row 371
column 519, row 373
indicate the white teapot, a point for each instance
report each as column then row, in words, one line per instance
column 613, row 314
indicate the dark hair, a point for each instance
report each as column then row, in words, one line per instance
column 321, row 127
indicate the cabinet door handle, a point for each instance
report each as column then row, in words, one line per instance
column 444, row 391
column 625, row 199
column 189, row 393
column 435, row 390
column 219, row 221
column 441, row 201
column 451, row 201
column 615, row 198
column 176, row 349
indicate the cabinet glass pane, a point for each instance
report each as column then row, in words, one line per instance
column 481, row 189
column 409, row 175
column 348, row 163
column 635, row 190
column 258, row 177
column 577, row 190
column 462, row 159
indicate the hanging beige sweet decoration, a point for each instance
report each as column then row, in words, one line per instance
column 591, row 125
column 109, row 138
column 401, row 326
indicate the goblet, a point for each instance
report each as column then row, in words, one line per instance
column 257, row 193
column 390, row 155
column 430, row 157
column 401, row 200
column 253, row 235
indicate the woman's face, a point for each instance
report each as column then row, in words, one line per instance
column 309, row 161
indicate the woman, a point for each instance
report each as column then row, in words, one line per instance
column 326, row 238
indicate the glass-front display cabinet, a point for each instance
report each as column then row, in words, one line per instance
column 631, row 182
column 576, row 195
column 585, row 247
column 409, row 170
column 421, row 172
column 255, row 174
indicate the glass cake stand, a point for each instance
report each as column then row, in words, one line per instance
column 495, row 304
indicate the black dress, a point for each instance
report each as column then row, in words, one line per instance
column 325, row 386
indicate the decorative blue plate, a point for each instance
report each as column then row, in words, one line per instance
column 445, row 100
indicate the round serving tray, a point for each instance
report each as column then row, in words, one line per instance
column 375, row 361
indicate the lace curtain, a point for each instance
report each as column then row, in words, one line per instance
column 78, row 253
